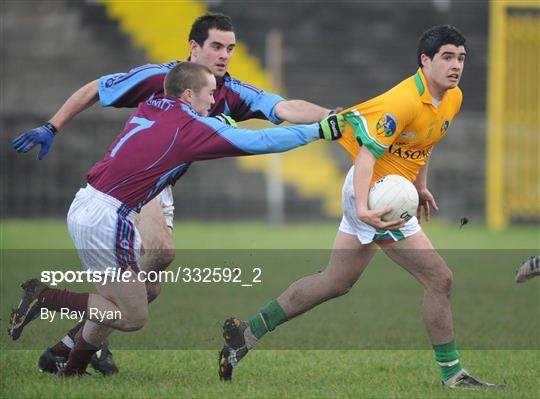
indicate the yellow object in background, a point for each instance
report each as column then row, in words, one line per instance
column 513, row 136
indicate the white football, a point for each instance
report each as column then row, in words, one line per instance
column 396, row 192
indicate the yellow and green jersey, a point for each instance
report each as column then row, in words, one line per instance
column 400, row 126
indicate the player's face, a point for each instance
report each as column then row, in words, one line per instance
column 202, row 100
column 216, row 51
column 445, row 69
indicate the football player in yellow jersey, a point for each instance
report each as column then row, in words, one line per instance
column 400, row 126
column 393, row 133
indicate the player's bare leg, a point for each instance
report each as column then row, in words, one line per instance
column 157, row 242
column 119, row 305
column 417, row 255
column 94, row 333
column 53, row 359
column 123, row 306
column 124, row 302
column 348, row 260
column 158, row 254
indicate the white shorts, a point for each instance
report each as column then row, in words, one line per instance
column 103, row 232
column 166, row 201
column 351, row 224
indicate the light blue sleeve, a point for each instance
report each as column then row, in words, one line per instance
column 129, row 88
column 265, row 141
column 254, row 102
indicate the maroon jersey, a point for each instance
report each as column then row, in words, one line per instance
column 164, row 136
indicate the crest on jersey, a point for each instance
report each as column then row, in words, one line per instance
column 386, row 125
column 444, row 126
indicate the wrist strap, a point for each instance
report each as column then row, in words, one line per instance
column 52, row 128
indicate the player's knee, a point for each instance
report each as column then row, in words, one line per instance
column 134, row 324
column 448, row 283
column 168, row 255
column 160, row 257
column 342, row 288
column 135, row 321
column 338, row 286
column 165, row 254
column 152, row 291
column 443, row 283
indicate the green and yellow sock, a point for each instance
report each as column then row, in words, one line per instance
column 268, row 318
column 447, row 356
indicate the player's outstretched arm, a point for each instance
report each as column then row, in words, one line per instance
column 44, row 135
column 300, row 111
column 82, row 99
column 256, row 103
column 272, row 140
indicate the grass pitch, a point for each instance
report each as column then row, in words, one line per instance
column 275, row 374
column 389, row 373
column 53, row 234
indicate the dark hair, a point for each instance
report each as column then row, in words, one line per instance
column 186, row 75
column 201, row 26
column 431, row 40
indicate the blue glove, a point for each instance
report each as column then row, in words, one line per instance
column 42, row 135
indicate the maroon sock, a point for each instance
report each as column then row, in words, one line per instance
column 61, row 349
column 54, row 299
column 79, row 357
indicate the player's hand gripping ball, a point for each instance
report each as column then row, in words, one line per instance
column 396, row 192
